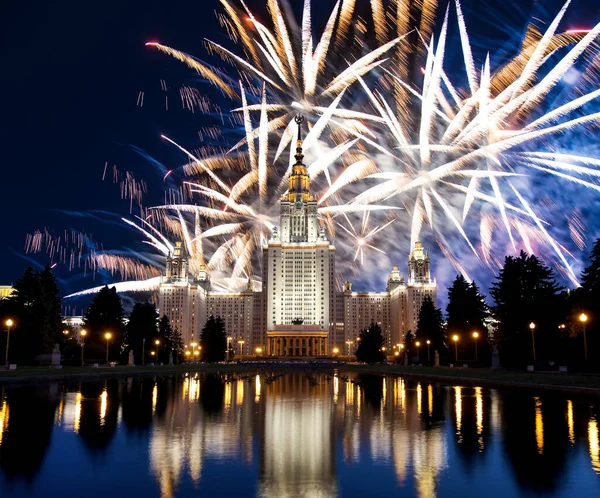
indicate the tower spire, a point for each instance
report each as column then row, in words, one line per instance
column 299, row 153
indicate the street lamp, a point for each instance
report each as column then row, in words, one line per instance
column 475, row 336
column 157, row 342
column 9, row 323
column 82, row 333
column 107, row 336
column 455, row 339
column 229, row 339
column 583, row 319
column 335, row 350
column 418, row 344
column 428, row 357
column 241, row 343
column 193, row 344
column 532, row 327
column 65, row 332
column 259, row 350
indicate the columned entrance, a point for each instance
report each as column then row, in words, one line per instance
column 297, row 340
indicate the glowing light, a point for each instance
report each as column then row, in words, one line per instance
column 594, row 442
column 458, row 411
column 430, row 399
column 539, row 425
column 570, row 422
column 103, row 406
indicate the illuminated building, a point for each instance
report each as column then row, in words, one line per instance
column 298, row 311
column 6, row 291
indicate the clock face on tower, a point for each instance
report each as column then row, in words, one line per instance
column 420, row 263
column 175, row 263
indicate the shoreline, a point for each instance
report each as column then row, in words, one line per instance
column 574, row 383
column 549, row 381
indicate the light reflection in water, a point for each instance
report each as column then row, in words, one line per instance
column 103, row 406
column 4, row 417
column 257, row 388
column 479, row 417
column 77, row 415
column 594, row 443
column 539, row 425
column 570, row 422
column 239, row 392
column 430, row 399
column 336, row 388
column 458, row 407
column 300, row 433
column 228, row 395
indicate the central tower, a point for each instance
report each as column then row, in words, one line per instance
column 298, row 271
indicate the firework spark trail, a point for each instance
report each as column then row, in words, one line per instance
column 472, row 137
column 440, row 150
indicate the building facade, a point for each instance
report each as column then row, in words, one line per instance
column 298, row 311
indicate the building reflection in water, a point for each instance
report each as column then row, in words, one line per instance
column 305, row 433
column 297, row 454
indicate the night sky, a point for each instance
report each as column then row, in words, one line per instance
column 71, row 75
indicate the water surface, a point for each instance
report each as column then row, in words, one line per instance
column 298, row 434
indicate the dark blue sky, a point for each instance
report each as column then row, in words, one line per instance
column 71, row 75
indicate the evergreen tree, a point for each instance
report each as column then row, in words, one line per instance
column 466, row 308
column 35, row 307
column 586, row 299
column 590, row 277
column 430, row 326
column 370, row 344
column 171, row 338
column 525, row 292
column 104, row 314
column 213, row 340
column 50, row 304
column 467, row 311
column 142, row 326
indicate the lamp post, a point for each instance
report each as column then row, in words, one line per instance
column 258, row 351
column 349, row 343
column 82, row 333
column 583, row 319
column 335, row 351
column 428, row 357
column 194, row 344
column 241, row 343
column 532, row 327
column 418, row 344
column 143, row 351
column 9, row 323
column 475, row 336
column 107, row 336
column 229, row 339
column 455, row 339
column 157, row 342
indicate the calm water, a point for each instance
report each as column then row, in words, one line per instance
column 298, row 434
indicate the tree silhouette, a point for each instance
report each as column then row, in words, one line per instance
column 104, row 314
column 525, row 292
column 371, row 342
column 35, row 308
column 213, row 340
column 467, row 311
column 171, row 338
column 431, row 327
column 142, row 326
